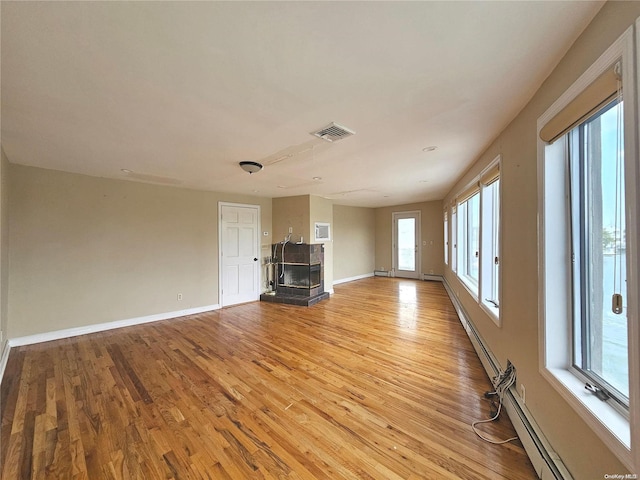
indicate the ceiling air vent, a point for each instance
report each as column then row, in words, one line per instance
column 333, row 132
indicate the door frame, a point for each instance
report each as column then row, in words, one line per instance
column 394, row 250
column 222, row 204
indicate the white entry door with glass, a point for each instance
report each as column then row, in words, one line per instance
column 406, row 242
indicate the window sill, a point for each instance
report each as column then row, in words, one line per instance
column 492, row 311
column 470, row 285
column 612, row 427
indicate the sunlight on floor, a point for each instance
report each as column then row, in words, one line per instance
column 407, row 311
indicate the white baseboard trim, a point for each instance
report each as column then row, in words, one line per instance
column 545, row 460
column 435, row 278
column 351, row 279
column 101, row 327
column 4, row 358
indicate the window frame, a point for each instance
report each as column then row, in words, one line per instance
column 465, row 243
column 579, row 179
column 620, row 434
column 490, row 242
column 454, row 238
column 446, row 237
column 489, row 238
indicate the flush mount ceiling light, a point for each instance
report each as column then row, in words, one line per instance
column 251, row 167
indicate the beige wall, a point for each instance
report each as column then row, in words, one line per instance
column 432, row 261
column 88, row 250
column 321, row 210
column 582, row 452
column 354, row 241
column 4, row 248
column 291, row 212
column 300, row 214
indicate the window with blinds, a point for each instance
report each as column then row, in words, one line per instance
column 490, row 256
column 589, row 206
column 600, row 299
column 476, row 229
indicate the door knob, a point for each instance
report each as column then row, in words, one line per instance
column 255, row 259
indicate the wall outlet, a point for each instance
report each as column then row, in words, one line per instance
column 179, row 296
column 523, row 394
column 290, row 229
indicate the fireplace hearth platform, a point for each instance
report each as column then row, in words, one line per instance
column 299, row 275
column 294, row 299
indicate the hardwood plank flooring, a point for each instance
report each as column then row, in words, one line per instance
column 378, row 382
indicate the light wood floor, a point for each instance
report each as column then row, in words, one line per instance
column 378, row 382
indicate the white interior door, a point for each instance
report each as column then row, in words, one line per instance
column 239, row 247
column 406, row 244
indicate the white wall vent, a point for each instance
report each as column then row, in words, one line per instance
column 333, row 132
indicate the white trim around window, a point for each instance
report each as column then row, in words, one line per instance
column 490, row 239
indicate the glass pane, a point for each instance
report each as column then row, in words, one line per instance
column 473, row 232
column 462, row 239
column 490, row 269
column 454, row 241
column 407, row 244
column 606, row 251
column 495, row 273
column 446, row 238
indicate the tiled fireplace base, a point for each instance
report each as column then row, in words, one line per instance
column 294, row 299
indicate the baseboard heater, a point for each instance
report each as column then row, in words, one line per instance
column 382, row 273
column 431, row 277
column 545, row 460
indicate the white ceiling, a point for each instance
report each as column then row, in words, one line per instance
column 179, row 93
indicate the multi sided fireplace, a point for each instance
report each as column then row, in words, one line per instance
column 299, row 274
column 301, row 277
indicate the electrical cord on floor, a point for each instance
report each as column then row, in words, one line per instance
column 501, row 382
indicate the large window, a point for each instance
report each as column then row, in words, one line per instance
column 446, row 238
column 469, row 240
column 589, row 205
column 475, row 234
column 490, row 243
column 454, row 238
column 598, row 233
